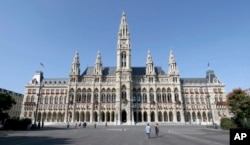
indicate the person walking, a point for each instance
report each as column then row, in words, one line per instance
column 95, row 125
column 148, row 130
column 42, row 124
column 68, row 125
column 156, row 129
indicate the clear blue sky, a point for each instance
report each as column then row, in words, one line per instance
column 198, row 32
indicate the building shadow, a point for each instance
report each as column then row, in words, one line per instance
column 33, row 140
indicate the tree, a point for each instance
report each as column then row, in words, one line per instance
column 239, row 104
column 6, row 102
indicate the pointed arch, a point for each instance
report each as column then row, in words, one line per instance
column 165, row 116
column 159, row 116
column 171, row 116
column 145, row 116
column 178, row 115
column 152, row 116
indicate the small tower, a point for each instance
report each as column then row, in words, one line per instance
column 75, row 69
column 150, row 70
column 98, row 64
column 123, row 46
column 173, row 71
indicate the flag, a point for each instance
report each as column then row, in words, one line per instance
column 42, row 64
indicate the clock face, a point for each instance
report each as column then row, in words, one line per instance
column 124, row 44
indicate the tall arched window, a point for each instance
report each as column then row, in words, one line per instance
column 113, row 97
column 51, row 100
column 144, row 98
column 32, row 99
column 28, row 99
column 124, row 95
column 123, row 57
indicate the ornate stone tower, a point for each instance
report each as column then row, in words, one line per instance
column 173, row 71
column 98, row 68
column 123, row 73
column 75, row 69
column 150, row 70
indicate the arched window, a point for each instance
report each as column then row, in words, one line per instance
column 32, row 99
column 197, row 99
column 89, row 98
column 61, row 99
column 28, row 99
column 144, row 98
column 158, row 97
column 56, row 100
column 123, row 59
column 108, row 98
column 124, row 95
column 51, row 100
column 113, row 97
column 216, row 99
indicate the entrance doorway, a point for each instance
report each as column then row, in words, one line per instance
column 124, row 116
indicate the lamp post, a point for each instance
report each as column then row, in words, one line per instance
column 38, row 99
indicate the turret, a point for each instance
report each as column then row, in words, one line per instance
column 150, row 65
column 75, row 68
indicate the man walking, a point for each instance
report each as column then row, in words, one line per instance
column 156, row 129
column 148, row 130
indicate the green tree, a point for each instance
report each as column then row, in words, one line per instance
column 6, row 102
column 239, row 104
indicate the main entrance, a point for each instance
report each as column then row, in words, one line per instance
column 124, row 116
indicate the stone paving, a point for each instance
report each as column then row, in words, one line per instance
column 116, row 135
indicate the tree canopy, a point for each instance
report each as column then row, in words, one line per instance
column 239, row 104
column 6, row 101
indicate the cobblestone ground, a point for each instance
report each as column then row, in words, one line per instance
column 116, row 135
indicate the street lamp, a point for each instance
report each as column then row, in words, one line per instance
column 38, row 99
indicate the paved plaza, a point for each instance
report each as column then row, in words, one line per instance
column 116, row 135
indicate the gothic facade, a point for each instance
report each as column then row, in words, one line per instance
column 125, row 94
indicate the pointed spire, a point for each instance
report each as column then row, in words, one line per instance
column 98, row 64
column 123, row 30
column 149, row 57
column 150, row 65
column 98, row 57
column 171, row 57
column 75, row 68
column 172, row 67
column 76, row 57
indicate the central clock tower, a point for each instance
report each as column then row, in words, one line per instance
column 124, row 74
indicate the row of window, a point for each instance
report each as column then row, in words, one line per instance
column 48, row 91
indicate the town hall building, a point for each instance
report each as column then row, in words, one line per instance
column 124, row 94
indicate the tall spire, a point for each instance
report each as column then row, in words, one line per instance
column 98, row 64
column 123, row 46
column 172, row 67
column 150, row 65
column 123, row 30
column 75, row 68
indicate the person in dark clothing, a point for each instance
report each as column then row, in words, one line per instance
column 156, row 129
column 39, row 125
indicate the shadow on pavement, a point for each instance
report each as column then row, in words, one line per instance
column 25, row 140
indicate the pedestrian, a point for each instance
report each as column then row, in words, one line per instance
column 80, row 124
column 42, row 124
column 148, row 130
column 106, row 124
column 68, row 125
column 156, row 129
column 75, row 125
column 39, row 125
column 95, row 125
